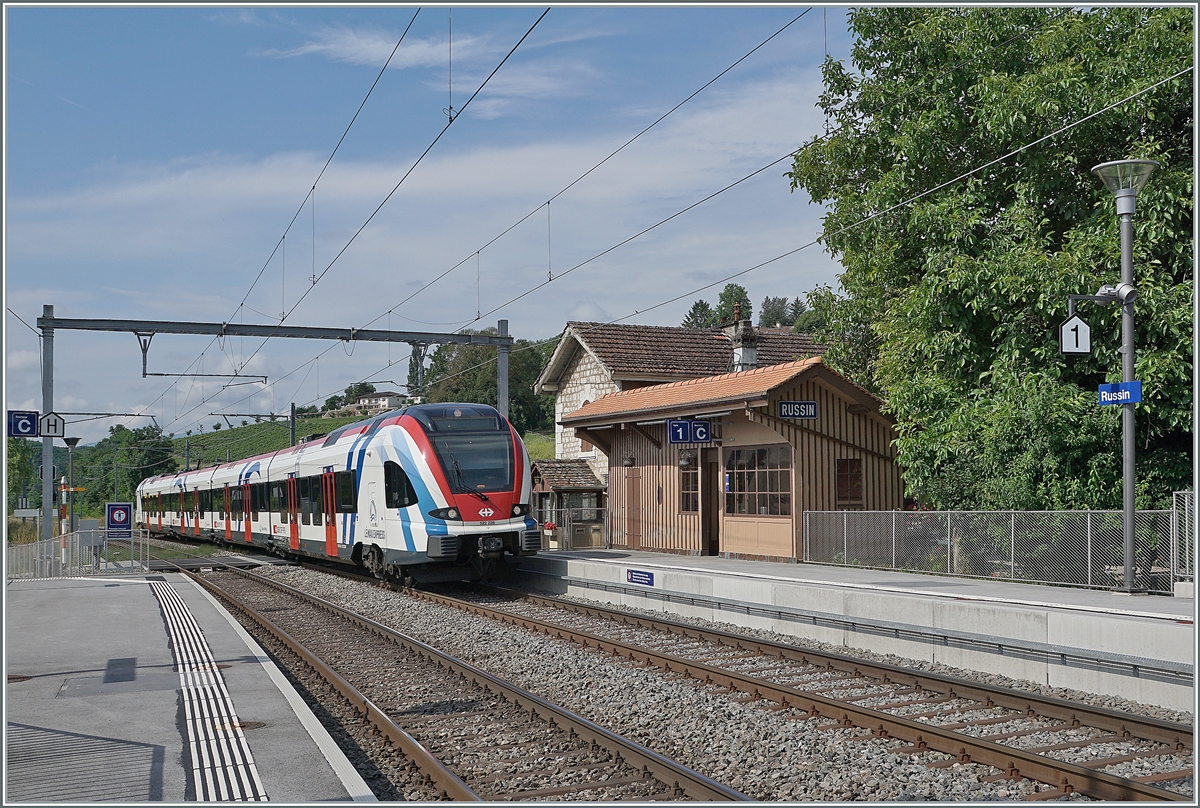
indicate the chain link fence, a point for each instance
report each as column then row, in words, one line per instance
column 83, row 553
column 574, row 528
column 1079, row 548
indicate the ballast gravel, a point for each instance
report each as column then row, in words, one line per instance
column 766, row 754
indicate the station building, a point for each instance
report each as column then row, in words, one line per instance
column 784, row 439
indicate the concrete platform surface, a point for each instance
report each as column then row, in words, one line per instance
column 143, row 688
column 1138, row 647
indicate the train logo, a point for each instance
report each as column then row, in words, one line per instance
column 486, row 512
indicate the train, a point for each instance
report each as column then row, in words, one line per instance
column 428, row 492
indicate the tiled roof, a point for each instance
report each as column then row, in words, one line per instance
column 723, row 389
column 565, row 474
column 666, row 351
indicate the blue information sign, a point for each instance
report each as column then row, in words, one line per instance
column 1121, row 393
column 639, row 577
column 798, row 409
column 688, row 431
column 22, row 424
column 119, row 522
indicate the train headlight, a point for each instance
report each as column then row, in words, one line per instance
column 491, row 544
column 520, row 510
column 445, row 513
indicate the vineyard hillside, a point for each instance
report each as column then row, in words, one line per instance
column 211, row 448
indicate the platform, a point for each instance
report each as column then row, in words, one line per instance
column 143, row 688
column 1137, row 647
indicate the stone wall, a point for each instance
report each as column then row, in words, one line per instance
column 585, row 379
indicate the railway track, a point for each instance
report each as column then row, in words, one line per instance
column 471, row 735
column 1071, row 746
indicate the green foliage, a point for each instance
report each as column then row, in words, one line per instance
column 539, row 446
column 468, row 373
column 24, row 457
column 700, row 315
column 733, row 293
column 951, row 302
column 779, row 311
column 132, row 454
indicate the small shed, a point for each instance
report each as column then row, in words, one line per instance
column 781, row 440
column 568, row 494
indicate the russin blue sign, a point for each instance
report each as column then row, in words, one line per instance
column 1121, row 393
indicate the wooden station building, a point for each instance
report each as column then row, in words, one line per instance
column 782, row 439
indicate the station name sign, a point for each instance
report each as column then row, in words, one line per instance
column 1121, row 393
column 798, row 409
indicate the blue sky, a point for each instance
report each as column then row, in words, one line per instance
column 154, row 157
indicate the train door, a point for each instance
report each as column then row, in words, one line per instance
column 328, row 501
column 196, row 512
column 228, row 514
column 293, row 507
column 160, row 511
column 246, row 509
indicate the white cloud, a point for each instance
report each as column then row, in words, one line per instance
column 362, row 46
column 184, row 240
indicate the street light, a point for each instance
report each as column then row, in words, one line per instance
column 1125, row 178
column 71, row 444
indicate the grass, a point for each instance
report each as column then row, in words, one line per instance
column 21, row 532
column 540, row 447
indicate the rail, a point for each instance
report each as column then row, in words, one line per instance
column 1013, row 761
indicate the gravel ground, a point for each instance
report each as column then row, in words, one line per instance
column 766, row 754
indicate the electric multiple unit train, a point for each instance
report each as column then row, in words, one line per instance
column 415, row 494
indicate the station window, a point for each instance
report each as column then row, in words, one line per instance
column 849, row 482
column 689, row 488
column 759, row 481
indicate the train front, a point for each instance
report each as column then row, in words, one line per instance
column 485, row 479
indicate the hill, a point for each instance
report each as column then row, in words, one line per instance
column 215, row 447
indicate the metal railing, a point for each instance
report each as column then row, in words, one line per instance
column 1183, row 535
column 574, row 528
column 1077, row 548
column 83, row 553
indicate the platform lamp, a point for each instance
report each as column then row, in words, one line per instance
column 71, row 444
column 1125, row 178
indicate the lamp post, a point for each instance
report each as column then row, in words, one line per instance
column 71, row 444
column 1125, row 178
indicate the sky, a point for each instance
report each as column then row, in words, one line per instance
column 159, row 163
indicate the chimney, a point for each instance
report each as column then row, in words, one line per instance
column 745, row 342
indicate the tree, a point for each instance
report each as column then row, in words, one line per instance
column 950, row 299
column 795, row 309
column 136, row 455
column 701, row 315
column 733, row 293
column 468, row 373
column 775, row 311
column 23, row 461
column 350, row 395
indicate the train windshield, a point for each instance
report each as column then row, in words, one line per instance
column 476, row 461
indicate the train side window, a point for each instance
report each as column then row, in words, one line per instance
column 202, row 497
column 347, row 502
column 318, row 501
column 277, row 499
column 304, row 486
column 235, row 502
column 220, row 495
column 398, row 489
